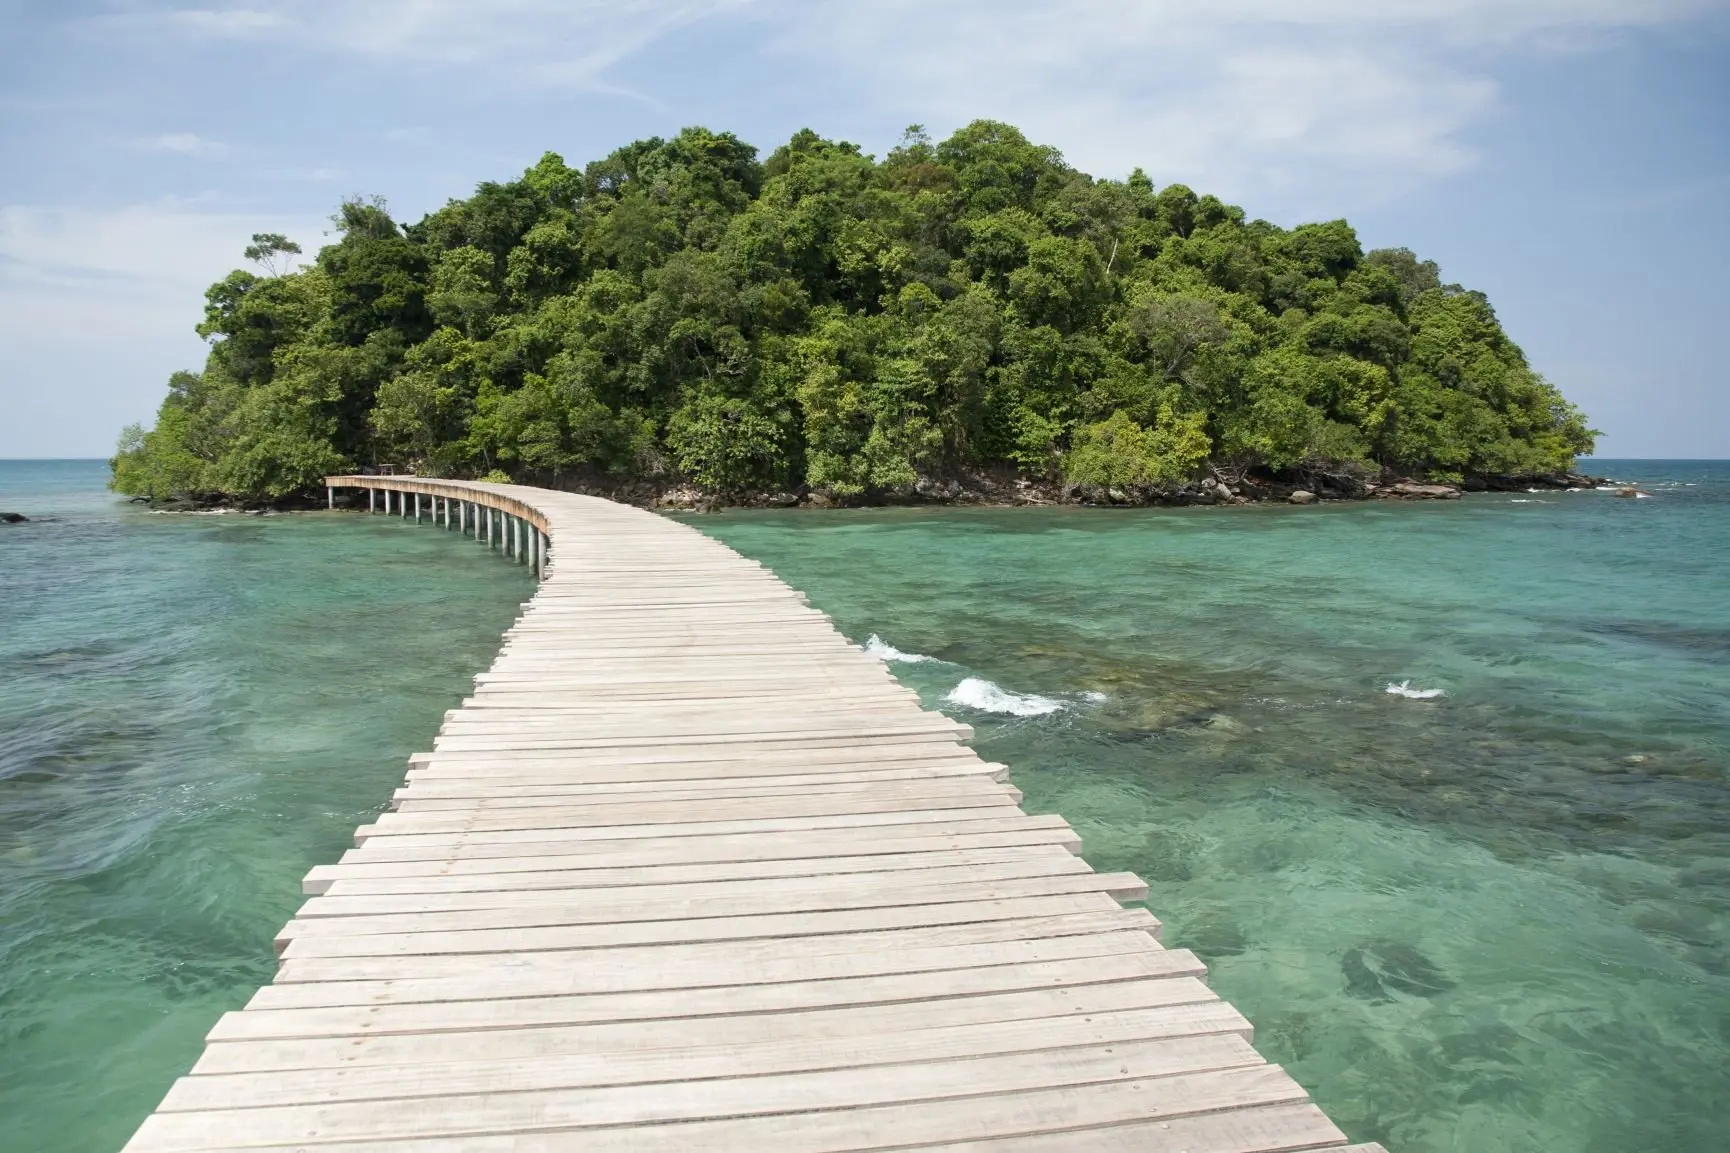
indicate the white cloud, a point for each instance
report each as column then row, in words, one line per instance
column 558, row 42
column 139, row 251
column 123, row 286
column 1250, row 97
column 1308, row 103
column 185, row 143
column 97, row 307
column 225, row 23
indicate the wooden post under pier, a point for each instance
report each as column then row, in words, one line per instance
column 688, row 871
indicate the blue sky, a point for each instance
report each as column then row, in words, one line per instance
column 1571, row 158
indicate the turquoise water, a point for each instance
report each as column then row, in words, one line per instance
column 194, row 710
column 1495, row 920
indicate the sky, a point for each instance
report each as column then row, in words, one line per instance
column 1570, row 158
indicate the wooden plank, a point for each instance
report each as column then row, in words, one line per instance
column 1028, row 876
column 502, row 916
column 844, row 930
column 857, row 832
column 464, row 1072
column 924, row 788
column 1062, row 976
column 761, row 782
column 1049, row 1121
column 570, row 816
column 1175, row 1076
column 342, row 881
column 1269, row 1129
column 376, row 863
column 574, row 826
column 1184, row 998
column 365, row 981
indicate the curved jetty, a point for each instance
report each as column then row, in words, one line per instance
column 690, row 872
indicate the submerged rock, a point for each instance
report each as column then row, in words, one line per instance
column 1375, row 968
column 13, row 518
column 1361, row 981
column 1214, row 936
column 1409, row 490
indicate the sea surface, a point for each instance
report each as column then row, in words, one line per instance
column 194, row 710
column 1488, row 911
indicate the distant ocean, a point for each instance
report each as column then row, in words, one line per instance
column 1441, row 792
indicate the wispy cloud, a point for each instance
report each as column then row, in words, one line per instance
column 313, row 175
column 1248, row 96
column 98, row 306
column 185, row 143
column 1251, row 97
column 69, row 272
column 548, row 42
column 225, row 23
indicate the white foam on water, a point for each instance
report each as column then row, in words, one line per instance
column 1405, row 689
column 1522, row 500
column 876, row 646
column 1094, row 698
column 978, row 693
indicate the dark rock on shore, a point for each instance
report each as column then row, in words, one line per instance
column 1411, row 490
column 1002, row 487
column 994, row 489
column 1527, row 481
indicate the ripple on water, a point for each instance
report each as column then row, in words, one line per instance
column 1499, row 920
column 180, row 740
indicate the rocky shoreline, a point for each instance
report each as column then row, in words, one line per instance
column 994, row 490
column 1003, row 490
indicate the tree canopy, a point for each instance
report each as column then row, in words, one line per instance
column 683, row 311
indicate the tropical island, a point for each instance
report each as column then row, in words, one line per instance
column 682, row 323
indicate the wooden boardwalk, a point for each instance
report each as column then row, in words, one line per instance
column 689, row 871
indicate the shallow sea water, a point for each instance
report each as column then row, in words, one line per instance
column 1496, row 920
column 194, row 710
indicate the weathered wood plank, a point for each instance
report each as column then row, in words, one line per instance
column 1184, row 998
column 344, row 881
column 1062, row 976
column 1176, row 1076
column 315, row 982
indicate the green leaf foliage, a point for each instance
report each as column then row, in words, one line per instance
column 682, row 311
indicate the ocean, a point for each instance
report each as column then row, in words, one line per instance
column 1440, row 792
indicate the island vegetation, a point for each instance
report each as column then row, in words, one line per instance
column 826, row 325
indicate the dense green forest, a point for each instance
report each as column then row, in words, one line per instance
column 682, row 312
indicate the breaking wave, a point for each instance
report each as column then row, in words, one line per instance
column 876, row 646
column 1405, row 689
column 978, row 693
